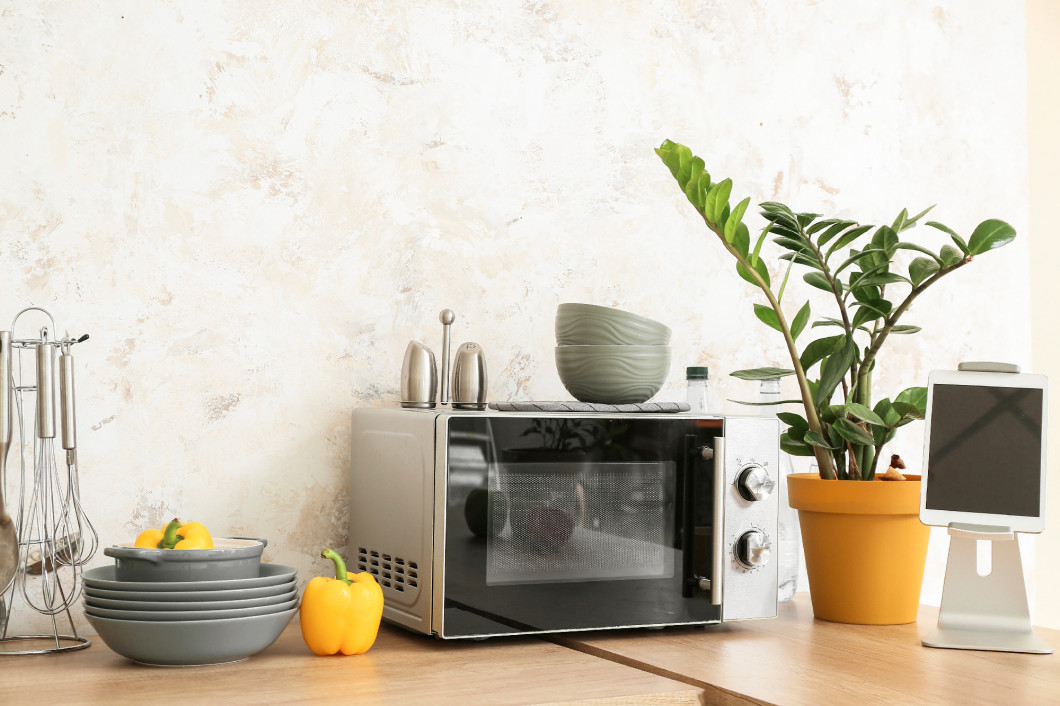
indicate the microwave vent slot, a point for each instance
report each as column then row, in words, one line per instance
column 393, row 573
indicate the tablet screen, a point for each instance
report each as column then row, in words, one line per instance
column 985, row 450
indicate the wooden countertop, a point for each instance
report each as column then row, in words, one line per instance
column 401, row 668
column 797, row 659
column 794, row 659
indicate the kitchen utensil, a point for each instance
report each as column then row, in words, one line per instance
column 191, row 642
column 96, row 602
column 106, row 577
column 613, row 374
column 171, row 615
column 469, row 377
column 589, row 324
column 82, row 545
column 8, row 536
column 229, row 559
column 447, row 317
column 55, row 538
column 419, row 377
column 234, row 594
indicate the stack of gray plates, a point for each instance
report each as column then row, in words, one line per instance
column 190, row 622
column 610, row 356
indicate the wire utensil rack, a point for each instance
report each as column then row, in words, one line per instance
column 54, row 536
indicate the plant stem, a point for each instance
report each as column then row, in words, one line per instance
column 824, row 462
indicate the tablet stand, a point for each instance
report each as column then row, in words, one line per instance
column 985, row 612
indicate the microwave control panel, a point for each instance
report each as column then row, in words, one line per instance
column 751, row 503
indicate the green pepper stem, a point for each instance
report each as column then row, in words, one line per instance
column 340, row 565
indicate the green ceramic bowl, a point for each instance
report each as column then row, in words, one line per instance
column 588, row 324
column 613, row 374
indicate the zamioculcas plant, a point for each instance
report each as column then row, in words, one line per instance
column 854, row 263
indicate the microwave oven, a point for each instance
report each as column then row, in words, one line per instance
column 487, row 523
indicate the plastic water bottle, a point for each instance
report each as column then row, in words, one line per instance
column 788, row 519
column 698, row 394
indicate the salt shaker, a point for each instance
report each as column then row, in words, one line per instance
column 469, row 377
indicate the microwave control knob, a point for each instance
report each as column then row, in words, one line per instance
column 753, row 483
column 752, row 549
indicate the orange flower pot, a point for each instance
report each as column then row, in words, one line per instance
column 865, row 547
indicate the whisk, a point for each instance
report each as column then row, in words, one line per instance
column 55, row 535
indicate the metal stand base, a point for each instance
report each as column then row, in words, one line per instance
column 985, row 612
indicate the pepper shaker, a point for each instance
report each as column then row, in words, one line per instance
column 469, row 377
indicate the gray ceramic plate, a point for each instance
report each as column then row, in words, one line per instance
column 236, row 594
column 94, row 602
column 231, row 558
column 268, row 575
column 118, row 614
column 191, row 642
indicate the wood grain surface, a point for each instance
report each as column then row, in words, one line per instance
column 401, row 668
column 797, row 659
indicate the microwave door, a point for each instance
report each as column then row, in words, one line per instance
column 552, row 540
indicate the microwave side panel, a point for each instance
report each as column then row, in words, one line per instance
column 391, row 509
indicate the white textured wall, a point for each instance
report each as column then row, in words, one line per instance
column 253, row 206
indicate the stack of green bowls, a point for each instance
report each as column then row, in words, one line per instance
column 610, row 356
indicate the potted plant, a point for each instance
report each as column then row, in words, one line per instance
column 865, row 547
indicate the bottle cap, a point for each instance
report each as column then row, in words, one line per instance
column 697, row 373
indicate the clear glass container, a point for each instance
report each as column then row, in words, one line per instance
column 788, row 518
column 698, row 393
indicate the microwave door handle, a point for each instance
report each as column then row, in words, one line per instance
column 718, row 555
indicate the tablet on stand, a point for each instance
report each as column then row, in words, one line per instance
column 984, row 479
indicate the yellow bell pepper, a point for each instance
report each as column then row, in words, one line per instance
column 149, row 539
column 194, row 536
column 341, row 614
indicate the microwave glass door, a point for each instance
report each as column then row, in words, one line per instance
column 574, row 523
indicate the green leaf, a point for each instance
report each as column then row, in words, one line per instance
column 758, row 245
column 820, row 349
column 856, row 256
column 716, row 201
column 902, row 328
column 920, row 269
column 767, row 316
column 886, row 240
column 863, row 316
column 741, row 240
column 818, row 279
column 833, row 369
column 821, row 225
column 762, row 373
column 814, row 439
column 950, row 255
column 990, row 234
column 852, row 432
column 760, row 268
column 847, row 238
column 899, row 223
column 943, row 228
column 833, row 231
column 885, row 411
column 806, row 219
column 883, row 278
column 795, row 448
column 907, row 412
column 865, row 414
column 793, row 420
column 828, row 321
column 792, row 244
column 799, row 322
column 667, row 152
column 916, row 396
column 919, row 248
column 911, row 221
column 881, row 307
column 734, row 219
column 802, row 259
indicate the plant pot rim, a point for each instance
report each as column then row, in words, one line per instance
column 809, row 492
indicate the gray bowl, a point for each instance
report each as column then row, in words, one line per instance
column 191, row 642
column 120, row 614
column 231, row 558
column 591, row 325
column 106, row 577
column 613, row 374
column 119, row 604
column 236, row 594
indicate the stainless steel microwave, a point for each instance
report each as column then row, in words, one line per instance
column 479, row 524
